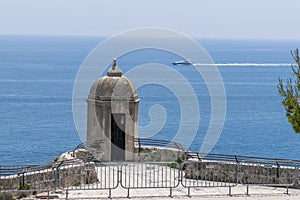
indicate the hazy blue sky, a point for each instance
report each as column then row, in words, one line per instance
column 197, row 18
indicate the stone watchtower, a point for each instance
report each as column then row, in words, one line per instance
column 112, row 117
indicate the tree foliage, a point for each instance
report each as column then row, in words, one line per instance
column 290, row 93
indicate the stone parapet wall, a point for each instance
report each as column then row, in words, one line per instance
column 242, row 173
column 210, row 171
column 51, row 178
column 42, row 179
column 154, row 154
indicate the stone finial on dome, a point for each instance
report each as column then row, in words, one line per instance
column 115, row 71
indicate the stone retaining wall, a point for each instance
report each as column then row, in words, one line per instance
column 50, row 178
column 153, row 154
column 246, row 173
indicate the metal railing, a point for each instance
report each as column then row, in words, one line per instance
column 149, row 142
column 29, row 178
column 249, row 170
column 262, row 171
column 159, row 143
column 89, row 176
column 209, row 174
column 205, row 170
column 150, row 175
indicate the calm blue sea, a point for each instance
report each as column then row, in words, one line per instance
column 36, row 84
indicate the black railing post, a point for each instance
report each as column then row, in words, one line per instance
column 128, row 194
column 139, row 143
column 23, row 181
column 171, row 193
column 198, row 157
column 296, row 181
column 109, row 193
column 57, row 175
column 236, row 170
column 67, row 194
column 229, row 193
column 247, row 193
column 277, row 169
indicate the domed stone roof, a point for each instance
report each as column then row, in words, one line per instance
column 113, row 87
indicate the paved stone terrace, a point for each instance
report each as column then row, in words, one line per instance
column 238, row 192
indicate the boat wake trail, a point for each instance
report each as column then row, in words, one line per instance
column 245, row 64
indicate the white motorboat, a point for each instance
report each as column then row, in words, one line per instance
column 183, row 62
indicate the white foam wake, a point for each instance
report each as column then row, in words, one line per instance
column 245, row 64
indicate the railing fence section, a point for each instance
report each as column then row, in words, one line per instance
column 150, row 175
column 25, row 180
column 277, row 173
column 89, row 176
column 209, row 174
column 202, row 170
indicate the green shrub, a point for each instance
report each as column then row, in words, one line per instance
column 24, row 186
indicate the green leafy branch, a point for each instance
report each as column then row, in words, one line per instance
column 290, row 94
